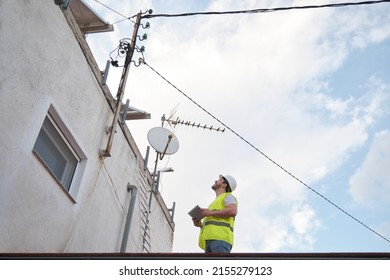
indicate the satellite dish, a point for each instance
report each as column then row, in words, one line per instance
column 163, row 140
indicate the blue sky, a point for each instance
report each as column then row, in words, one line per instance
column 309, row 88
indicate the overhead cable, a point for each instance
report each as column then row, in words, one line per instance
column 268, row 10
column 111, row 9
column 253, row 11
column 266, row 156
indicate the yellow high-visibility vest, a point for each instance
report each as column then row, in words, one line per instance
column 215, row 228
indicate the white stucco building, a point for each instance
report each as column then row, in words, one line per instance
column 57, row 194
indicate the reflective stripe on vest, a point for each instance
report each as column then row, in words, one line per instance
column 222, row 224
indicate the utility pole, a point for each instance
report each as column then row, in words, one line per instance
column 122, row 86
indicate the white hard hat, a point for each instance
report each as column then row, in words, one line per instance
column 232, row 182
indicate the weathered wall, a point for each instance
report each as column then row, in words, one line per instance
column 42, row 65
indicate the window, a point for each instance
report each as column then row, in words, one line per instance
column 55, row 153
column 58, row 151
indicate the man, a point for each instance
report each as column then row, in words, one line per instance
column 216, row 233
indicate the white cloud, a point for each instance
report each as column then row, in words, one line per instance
column 301, row 219
column 369, row 185
column 360, row 27
column 276, row 231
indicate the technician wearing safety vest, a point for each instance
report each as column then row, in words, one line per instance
column 216, row 233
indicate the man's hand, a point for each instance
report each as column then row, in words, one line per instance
column 196, row 222
column 206, row 212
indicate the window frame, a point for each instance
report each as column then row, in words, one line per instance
column 66, row 145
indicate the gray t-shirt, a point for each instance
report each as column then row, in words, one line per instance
column 230, row 199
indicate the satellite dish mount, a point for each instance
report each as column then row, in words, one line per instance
column 165, row 143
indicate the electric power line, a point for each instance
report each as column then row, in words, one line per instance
column 115, row 11
column 268, row 10
column 253, row 11
column 111, row 9
column 266, row 156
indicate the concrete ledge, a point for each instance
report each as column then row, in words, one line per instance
column 195, row 256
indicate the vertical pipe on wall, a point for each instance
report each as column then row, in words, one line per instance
column 126, row 232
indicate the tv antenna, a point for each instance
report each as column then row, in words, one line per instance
column 179, row 121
